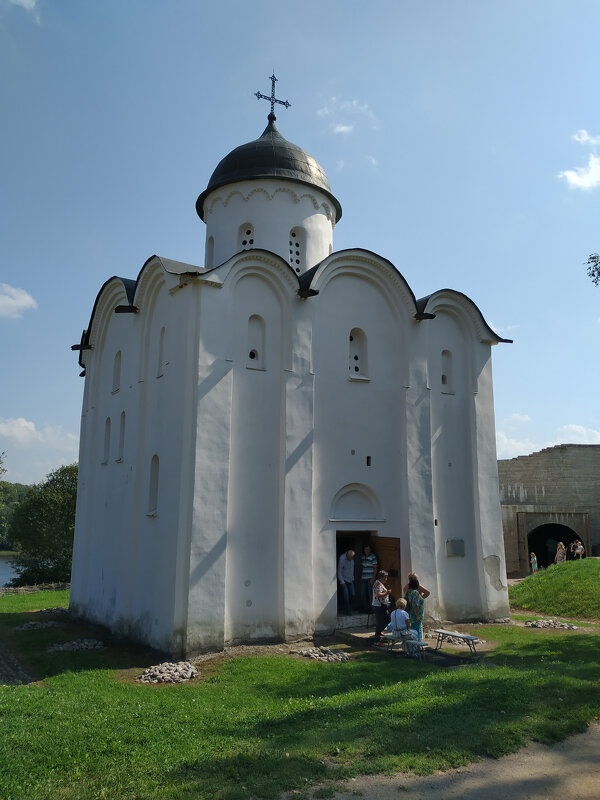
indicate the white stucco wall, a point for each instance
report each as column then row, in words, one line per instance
column 127, row 554
column 357, row 415
column 272, row 208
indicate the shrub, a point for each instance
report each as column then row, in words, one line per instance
column 42, row 527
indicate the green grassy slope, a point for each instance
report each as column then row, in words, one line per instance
column 571, row 589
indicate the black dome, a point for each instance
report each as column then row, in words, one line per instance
column 269, row 156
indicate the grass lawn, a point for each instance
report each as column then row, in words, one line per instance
column 571, row 589
column 255, row 726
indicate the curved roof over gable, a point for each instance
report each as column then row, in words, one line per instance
column 308, row 285
column 130, row 288
column 426, row 306
column 312, row 280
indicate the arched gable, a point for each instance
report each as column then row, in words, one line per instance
column 356, row 502
column 390, row 310
column 151, row 283
column 277, row 275
column 112, row 294
column 372, row 267
column 464, row 311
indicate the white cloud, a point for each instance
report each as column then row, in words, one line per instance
column 339, row 112
column 372, row 161
column 23, row 433
column 355, row 107
column 578, row 434
column 344, row 129
column 584, row 177
column 583, row 137
column 510, row 447
column 13, row 302
column 31, row 6
column 507, row 447
column 340, row 164
column 19, row 430
column 28, row 5
column 517, row 418
column 32, row 452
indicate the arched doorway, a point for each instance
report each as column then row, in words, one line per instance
column 543, row 541
column 357, row 514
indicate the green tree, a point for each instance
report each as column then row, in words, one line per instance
column 41, row 528
column 593, row 268
column 11, row 495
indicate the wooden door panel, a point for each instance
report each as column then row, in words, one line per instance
column 387, row 550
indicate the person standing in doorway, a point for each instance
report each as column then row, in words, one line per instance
column 380, row 602
column 345, row 574
column 369, row 570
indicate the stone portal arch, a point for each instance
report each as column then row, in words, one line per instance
column 544, row 529
column 356, row 502
column 543, row 541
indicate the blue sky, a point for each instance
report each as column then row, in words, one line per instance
column 462, row 138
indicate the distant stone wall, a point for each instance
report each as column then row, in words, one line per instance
column 557, row 486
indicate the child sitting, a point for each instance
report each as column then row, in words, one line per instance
column 400, row 627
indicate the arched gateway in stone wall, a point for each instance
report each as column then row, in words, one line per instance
column 548, row 497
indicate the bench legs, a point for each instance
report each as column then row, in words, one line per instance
column 442, row 637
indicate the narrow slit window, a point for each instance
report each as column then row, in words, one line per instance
column 153, row 487
column 256, row 343
column 209, row 253
column 116, row 383
column 160, row 366
column 246, row 236
column 357, row 354
column 106, row 450
column 119, row 458
column 297, row 249
column 447, row 383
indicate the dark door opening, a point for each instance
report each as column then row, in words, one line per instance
column 543, row 542
column 387, row 551
column 351, row 540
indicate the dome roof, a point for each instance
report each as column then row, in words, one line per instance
column 269, row 156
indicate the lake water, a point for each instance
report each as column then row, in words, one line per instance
column 6, row 571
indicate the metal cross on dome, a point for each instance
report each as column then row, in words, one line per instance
column 272, row 98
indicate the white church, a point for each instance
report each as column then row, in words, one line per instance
column 246, row 422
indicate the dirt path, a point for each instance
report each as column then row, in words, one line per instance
column 569, row 770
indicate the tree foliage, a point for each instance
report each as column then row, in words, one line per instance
column 11, row 495
column 42, row 527
column 593, row 268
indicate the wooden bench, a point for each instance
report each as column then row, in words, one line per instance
column 443, row 635
column 419, row 646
